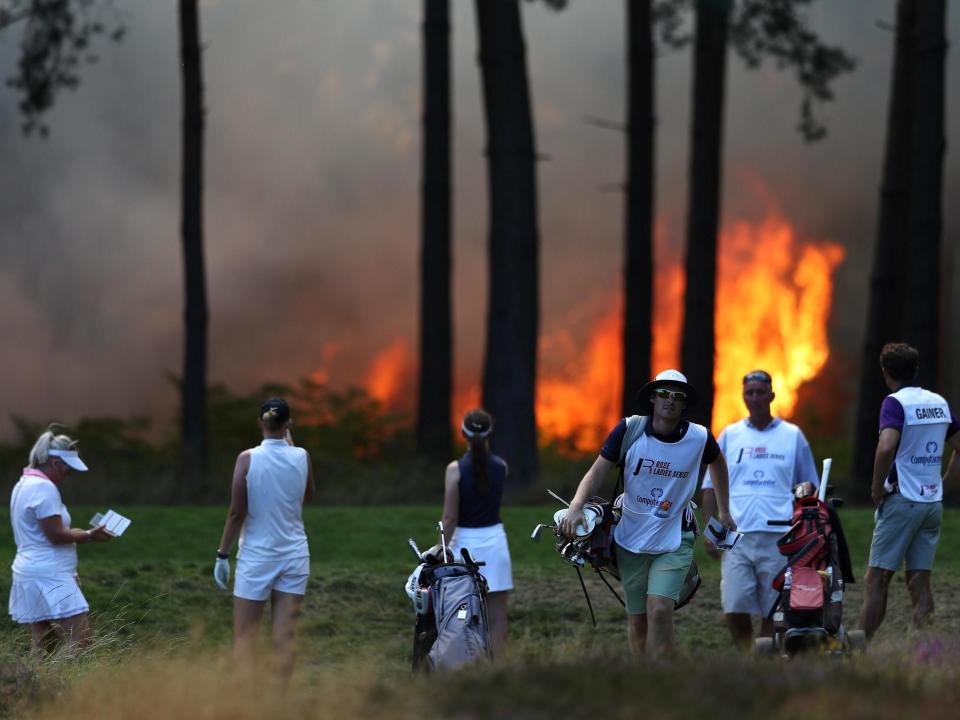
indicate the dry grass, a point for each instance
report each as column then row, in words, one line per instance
column 162, row 629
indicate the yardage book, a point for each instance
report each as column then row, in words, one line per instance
column 720, row 536
column 113, row 522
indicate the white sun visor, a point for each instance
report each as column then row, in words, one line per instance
column 70, row 457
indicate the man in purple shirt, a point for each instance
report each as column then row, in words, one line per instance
column 907, row 487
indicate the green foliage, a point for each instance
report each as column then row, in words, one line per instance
column 777, row 29
column 57, row 38
column 360, row 452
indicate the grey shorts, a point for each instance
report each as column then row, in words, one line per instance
column 747, row 571
column 905, row 532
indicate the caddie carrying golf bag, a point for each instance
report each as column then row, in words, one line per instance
column 594, row 546
column 451, row 621
column 808, row 613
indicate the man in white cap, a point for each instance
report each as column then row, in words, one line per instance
column 770, row 464
column 654, row 538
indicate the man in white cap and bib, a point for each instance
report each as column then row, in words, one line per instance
column 770, row 463
column 907, row 488
column 654, row 538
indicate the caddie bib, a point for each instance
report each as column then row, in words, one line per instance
column 761, row 467
column 659, row 480
column 926, row 417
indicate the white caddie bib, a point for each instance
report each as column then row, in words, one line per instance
column 926, row 417
column 761, row 468
column 659, row 480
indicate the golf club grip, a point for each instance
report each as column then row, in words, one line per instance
column 416, row 550
column 824, row 477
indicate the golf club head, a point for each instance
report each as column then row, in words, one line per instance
column 535, row 535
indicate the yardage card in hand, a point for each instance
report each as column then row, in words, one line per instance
column 113, row 522
column 722, row 537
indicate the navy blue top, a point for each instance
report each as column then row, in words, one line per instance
column 478, row 509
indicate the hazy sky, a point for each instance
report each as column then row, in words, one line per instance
column 312, row 175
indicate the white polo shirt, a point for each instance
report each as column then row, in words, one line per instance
column 35, row 497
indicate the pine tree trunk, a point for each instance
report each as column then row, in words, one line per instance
column 194, row 416
column 638, row 240
column 510, row 363
column 926, row 191
column 885, row 321
column 709, row 80
column 436, row 333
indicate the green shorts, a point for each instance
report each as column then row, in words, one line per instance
column 906, row 533
column 662, row 574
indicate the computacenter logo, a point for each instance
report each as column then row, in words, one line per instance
column 759, row 480
column 932, row 447
column 654, row 500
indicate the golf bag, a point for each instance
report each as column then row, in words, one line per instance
column 451, row 622
column 809, row 608
column 595, row 546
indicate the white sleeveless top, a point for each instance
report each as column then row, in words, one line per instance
column 660, row 479
column 926, row 417
column 276, row 483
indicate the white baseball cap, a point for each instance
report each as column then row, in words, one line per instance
column 70, row 457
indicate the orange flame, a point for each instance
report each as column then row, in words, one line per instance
column 584, row 404
column 773, row 303
column 386, row 377
column 669, row 287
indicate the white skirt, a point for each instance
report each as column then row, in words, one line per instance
column 489, row 545
column 34, row 599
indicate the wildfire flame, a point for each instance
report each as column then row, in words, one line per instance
column 584, row 404
column 386, row 378
column 773, row 302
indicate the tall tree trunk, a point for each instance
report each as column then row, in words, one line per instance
column 706, row 141
column 926, row 190
column 885, row 322
column 510, row 363
column 193, row 411
column 638, row 240
column 436, row 333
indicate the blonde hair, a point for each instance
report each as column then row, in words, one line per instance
column 271, row 419
column 48, row 441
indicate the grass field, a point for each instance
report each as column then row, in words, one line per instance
column 158, row 615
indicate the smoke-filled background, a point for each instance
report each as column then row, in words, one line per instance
column 312, row 214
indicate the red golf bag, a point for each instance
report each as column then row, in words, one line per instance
column 809, row 608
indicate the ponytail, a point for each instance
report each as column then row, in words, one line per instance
column 49, row 440
column 479, row 454
column 476, row 428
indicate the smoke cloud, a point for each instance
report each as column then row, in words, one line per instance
column 312, row 181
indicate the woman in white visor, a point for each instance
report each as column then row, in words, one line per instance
column 45, row 592
column 473, row 491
